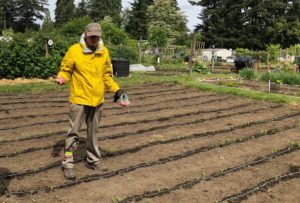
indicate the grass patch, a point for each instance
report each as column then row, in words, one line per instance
column 285, row 78
column 31, row 87
column 193, row 82
column 258, row 95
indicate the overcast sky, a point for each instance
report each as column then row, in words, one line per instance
column 190, row 11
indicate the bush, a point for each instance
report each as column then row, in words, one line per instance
column 158, row 37
column 75, row 27
column 253, row 54
column 123, row 52
column 25, row 56
column 285, row 78
column 112, row 33
column 200, row 68
column 274, row 51
column 248, row 74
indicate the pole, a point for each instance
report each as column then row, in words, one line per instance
column 259, row 60
column 46, row 49
column 140, row 53
column 269, row 80
column 213, row 58
column 192, row 55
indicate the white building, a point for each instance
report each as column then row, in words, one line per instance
column 224, row 54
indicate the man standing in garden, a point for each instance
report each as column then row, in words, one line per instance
column 88, row 67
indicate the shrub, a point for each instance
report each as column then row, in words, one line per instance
column 200, row 68
column 25, row 56
column 248, row 74
column 158, row 37
column 123, row 52
column 112, row 33
column 253, row 54
column 75, row 27
column 285, row 78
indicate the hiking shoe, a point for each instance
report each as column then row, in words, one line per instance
column 69, row 173
column 96, row 166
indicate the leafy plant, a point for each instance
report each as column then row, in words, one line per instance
column 274, row 50
column 24, row 56
column 158, row 37
column 248, row 74
column 200, row 68
column 123, row 52
column 112, row 33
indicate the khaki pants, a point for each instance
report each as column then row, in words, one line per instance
column 92, row 116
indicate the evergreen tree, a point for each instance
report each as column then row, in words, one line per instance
column 82, row 9
column 137, row 26
column 7, row 13
column 48, row 25
column 64, row 11
column 100, row 9
column 175, row 4
column 249, row 23
column 27, row 12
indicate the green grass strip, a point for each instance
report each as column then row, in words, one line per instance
column 141, row 78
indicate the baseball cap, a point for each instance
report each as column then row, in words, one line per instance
column 93, row 29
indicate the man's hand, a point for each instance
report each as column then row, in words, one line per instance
column 60, row 80
column 122, row 98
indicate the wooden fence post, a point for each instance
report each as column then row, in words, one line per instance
column 192, row 55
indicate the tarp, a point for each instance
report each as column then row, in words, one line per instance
column 141, row 68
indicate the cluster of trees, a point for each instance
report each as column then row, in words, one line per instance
column 249, row 23
column 21, row 15
column 224, row 23
column 145, row 20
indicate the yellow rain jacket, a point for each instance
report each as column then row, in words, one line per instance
column 89, row 73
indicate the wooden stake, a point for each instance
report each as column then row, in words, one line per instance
column 192, row 55
column 46, row 49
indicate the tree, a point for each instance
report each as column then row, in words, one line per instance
column 158, row 37
column 164, row 14
column 82, row 9
column 112, row 33
column 64, row 11
column 222, row 23
column 138, row 20
column 7, row 12
column 100, row 9
column 249, row 23
column 124, row 16
column 48, row 25
column 27, row 12
column 175, row 4
column 282, row 22
column 74, row 27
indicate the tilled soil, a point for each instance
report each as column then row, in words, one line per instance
column 173, row 144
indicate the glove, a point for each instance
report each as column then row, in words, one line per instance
column 121, row 97
column 60, row 80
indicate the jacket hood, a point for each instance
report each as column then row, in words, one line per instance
column 86, row 50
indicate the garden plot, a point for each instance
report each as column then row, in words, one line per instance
column 173, row 144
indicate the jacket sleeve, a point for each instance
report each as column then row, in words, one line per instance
column 109, row 83
column 67, row 66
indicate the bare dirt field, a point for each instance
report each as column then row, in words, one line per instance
column 173, row 144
